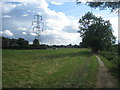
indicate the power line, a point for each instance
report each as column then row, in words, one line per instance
column 38, row 27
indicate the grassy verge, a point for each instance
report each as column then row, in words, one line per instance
column 49, row 68
column 111, row 66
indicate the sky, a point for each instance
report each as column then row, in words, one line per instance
column 60, row 20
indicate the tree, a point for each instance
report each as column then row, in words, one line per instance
column 36, row 43
column 13, row 41
column 96, row 32
column 22, row 43
column 5, row 42
column 103, row 5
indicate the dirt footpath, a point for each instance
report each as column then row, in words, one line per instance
column 104, row 78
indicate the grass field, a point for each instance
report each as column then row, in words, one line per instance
column 60, row 68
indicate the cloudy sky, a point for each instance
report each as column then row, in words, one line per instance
column 60, row 20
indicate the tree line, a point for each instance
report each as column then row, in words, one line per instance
column 21, row 43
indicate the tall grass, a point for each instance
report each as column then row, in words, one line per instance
column 49, row 68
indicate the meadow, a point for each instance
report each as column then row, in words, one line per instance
column 49, row 68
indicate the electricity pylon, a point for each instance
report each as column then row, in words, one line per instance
column 38, row 27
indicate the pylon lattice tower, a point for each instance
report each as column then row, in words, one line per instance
column 38, row 27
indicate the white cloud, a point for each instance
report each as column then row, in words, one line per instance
column 24, row 33
column 114, row 22
column 60, row 29
column 57, row 20
column 30, row 10
column 61, row 37
column 8, row 7
column 42, row 4
column 25, row 15
column 1, row 32
column 32, row 1
column 75, row 24
column 27, row 1
column 22, row 28
column 6, row 16
column 99, row 15
column 33, row 34
column 8, row 33
column 57, row 3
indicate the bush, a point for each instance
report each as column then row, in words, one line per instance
column 107, row 55
column 114, row 58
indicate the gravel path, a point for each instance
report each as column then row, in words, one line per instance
column 104, row 78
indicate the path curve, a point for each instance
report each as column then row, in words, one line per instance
column 104, row 78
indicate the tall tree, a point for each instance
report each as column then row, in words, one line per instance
column 96, row 32
column 36, row 43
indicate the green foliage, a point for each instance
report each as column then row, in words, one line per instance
column 112, row 67
column 36, row 43
column 96, row 32
column 61, row 68
column 104, row 5
column 111, row 58
column 118, row 49
column 12, row 41
column 22, row 43
column 113, row 6
column 119, row 61
column 5, row 42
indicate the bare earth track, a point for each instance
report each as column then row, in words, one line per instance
column 104, row 78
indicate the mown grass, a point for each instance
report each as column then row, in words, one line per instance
column 61, row 68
